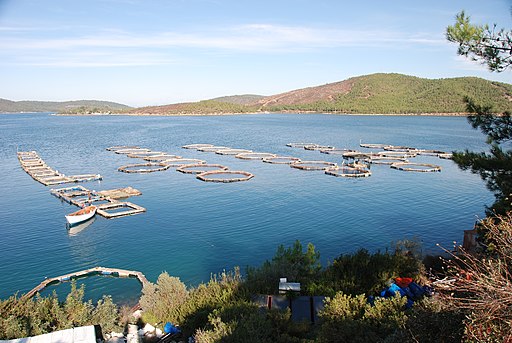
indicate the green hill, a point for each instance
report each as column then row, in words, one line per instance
column 80, row 106
column 395, row 93
column 245, row 99
column 369, row 94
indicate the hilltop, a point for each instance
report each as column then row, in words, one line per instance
column 369, row 94
column 9, row 106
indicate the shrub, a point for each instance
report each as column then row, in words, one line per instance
column 349, row 318
column 363, row 272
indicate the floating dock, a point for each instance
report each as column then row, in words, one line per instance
column 87, row 272
column 34, row 166
column 108, row 207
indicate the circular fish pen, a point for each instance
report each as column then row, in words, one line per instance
column 400, row 148
column 357, row 155
column 373, row 145
column 281, row 160
column 179, row 162
column 231, row 151
column 200, row 168
column 160, row 158
column 416, row 167
column 446, row 156
column 225, row 176
column 348, row 172
column 196, row 146
column 144, row 154
column 131, row 151
column 396, row 154
column 313, row 165
column 387, row 160
column 316, row 147
column 254, row 155
column 212, row 148
column 336, row 151
column 143, row 168
column 121, row 147
column 299, row 145
column 428, row 152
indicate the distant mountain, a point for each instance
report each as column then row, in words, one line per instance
column 245, row 99
column 8, row 106
column 368, row 94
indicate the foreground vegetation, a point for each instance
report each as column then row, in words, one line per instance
column 223, row 310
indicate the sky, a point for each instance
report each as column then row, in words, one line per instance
column 156, row 52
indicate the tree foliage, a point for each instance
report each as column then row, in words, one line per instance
column 22, row 317
column 495, row 166
column 482, row 43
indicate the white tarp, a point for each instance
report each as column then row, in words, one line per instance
column 83, row 334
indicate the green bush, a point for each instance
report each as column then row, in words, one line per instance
column 351, row 319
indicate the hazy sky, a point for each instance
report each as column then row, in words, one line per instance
column 150, row 52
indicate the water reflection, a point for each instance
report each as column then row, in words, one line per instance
column 76, row 229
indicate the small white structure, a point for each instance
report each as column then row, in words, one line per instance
column 285, row 286
column 83, row 334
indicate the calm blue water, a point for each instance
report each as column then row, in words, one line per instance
column 192, row 228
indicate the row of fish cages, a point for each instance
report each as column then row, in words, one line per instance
column 156, row 161
column 330, row 168
column 397, row 157
column 37, row 168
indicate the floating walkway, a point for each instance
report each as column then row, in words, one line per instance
column 108, row 206
column 87, row 272
column 34, row 166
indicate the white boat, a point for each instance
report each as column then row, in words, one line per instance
column 81, row 215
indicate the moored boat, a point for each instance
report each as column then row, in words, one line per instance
column 81, row 215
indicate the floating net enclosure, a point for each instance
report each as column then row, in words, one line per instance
column 387, row 160
column 401, row 148
column 300, row 145
column 225, row 176
column 313, row 165
column 200, row 168
column 160, row 158
column 336, row 151
column 430, row 152
column 121, row 147
column 319, row 147
column 373, row 145
column 396, row 154
column 179, row 162
column 212, row 148
column 231, row 151
column 446, row 156
column 357, row 155
column 130, row 151
column 143, row 167
column 143, row 154
column 416, row 167
column 254, row 155
column 348, row 172
column 281, row 160
column 196, row 146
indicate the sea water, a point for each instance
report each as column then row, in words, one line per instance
column 193, row 228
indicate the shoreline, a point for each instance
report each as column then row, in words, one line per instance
column 141, row 114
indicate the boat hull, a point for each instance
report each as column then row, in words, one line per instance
column 81, row 216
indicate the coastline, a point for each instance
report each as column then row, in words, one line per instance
column 142, row 114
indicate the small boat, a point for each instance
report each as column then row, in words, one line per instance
column 81, row 215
